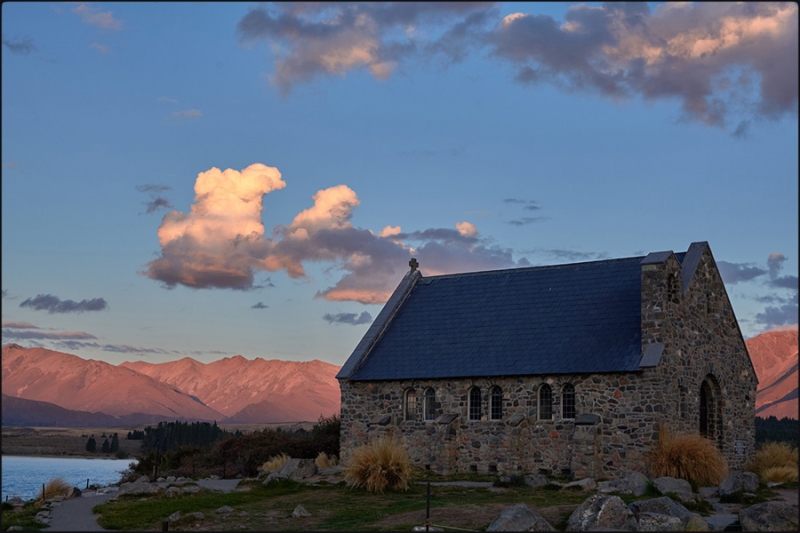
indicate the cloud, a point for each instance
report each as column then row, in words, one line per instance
column 168, row 100
column 22, row 46
column 53, row 304
column 513, row 201
column 188, row 114
column 19, row 325
column 714, row 57
column 158, row 203
column 320, row 39
column 259, row 305
column 221, row 242
column 102, row 48
column 152, row 187
column 5, row 293
column 775, row 264
column 532, row 207
column 114, row 348
column 348, row 318
column 732, row 273
column 778, row 316
column 103, row 19
column 527, row 220
column 11, row 334
column 571, row 255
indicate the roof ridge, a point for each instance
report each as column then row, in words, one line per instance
column 537, row 267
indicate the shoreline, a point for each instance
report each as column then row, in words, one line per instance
column 51, row 456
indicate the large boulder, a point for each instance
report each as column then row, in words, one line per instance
column 681, row 488
column 138, row 487
column 738, row 481
column 582, row 484
column 602, row 511
column 536, row 480
column 769, row 516
column 305, row 468
column 634, row 483
column 659, row 522
column 519, row 517
column 73, row 492
column 300, row 512
column 663, row 505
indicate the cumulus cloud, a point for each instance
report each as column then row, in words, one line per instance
column 332, row 39
column 53, row 304
column 733, row 273
column 103, row 19
column 348, row 318
column 259, row 305
column 713, row 57
column 221, row 242
column 22, row 46
column 778, row 316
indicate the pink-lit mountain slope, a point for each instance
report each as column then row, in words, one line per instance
column 774, row 355
column 253, row 391
column 95, row 386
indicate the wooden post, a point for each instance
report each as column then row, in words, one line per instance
column 428, row 509
column 87, row 483
column 44, row 496
column 165, row 525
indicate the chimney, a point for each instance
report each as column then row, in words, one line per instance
column 661, row 290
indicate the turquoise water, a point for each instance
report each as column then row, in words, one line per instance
column 23, row 475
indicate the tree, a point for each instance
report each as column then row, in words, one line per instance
column 91, row 444
column 106, row 446
column 114, row 444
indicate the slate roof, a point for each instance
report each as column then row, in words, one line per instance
column 575, row 318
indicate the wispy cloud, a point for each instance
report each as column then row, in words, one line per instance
column 19, row 325
column 154, row 188
column 77, row 345
column 102, row 48
column 11, row 164
column 53, row 304
column 572, row 255
column 513, row 201
column 348, row 318
column 733, row 273
column 22, row 46
column 14, row 335
column 188, row 114
column 103, row 19
column 156, row 200
column 167, row 100
column 259, row 305
column 524, row 221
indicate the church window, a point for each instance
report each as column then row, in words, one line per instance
column 411, row 405
column 496, row 403
column 568, row 401
column 545, row 402
column 475, row 403
column 430, row 404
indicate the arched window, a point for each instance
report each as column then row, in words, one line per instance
column 496, row 403
column 711, row 410
column 430, row 404
column 475, row 403
column 545, row 402
column 410, row 409
column 568, row 401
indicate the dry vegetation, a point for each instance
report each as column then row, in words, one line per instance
column 380, row 465
column 775, row 461
column 690, row 457
column 55, row 487
column 324, row 460
column 275, row 462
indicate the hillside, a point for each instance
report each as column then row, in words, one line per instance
column 774, row 355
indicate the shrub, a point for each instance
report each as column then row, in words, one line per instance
column 779, row 474
column 380, row 465
column 276, row 462
column 690, row 457
column 324, row 460
column 777, row 458
column 58, row 486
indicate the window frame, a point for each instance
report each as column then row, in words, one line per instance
column 409, row 411
column 568, row 396
column 542, row 388
column 474, row 411
column 429, row 405
column 496, row 403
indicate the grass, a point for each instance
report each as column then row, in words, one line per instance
column 25, row 519
column 324, row 460
column 276, row 462
column 332, row 507
column 57, row 486
column 775, row 461
column 378, row 466
column 690, row 457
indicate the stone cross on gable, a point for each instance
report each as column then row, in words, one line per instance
column 413, row 264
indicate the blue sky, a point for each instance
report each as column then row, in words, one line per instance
column 470, row 136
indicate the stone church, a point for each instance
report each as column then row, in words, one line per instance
column 567, row 370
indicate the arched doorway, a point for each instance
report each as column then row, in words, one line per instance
column 711, row 410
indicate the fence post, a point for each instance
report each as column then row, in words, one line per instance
column 428, row 508
column 44, row 496
column 165, row 525
column 87, row 483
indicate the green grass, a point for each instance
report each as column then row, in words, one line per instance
column 25, row 519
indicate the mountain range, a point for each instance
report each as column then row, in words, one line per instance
column 44, row 388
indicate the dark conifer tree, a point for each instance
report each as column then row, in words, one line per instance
column 91, row 444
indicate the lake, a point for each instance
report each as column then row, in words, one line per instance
column 23, row 475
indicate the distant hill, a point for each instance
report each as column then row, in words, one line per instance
column 38, row 382
column 774, row 355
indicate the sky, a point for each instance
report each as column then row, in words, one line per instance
column 207, row 180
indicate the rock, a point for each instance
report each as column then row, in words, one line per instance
column 634, row 483
column 738, row 481
column 239, row 476
column 519, row 517
column 225, row 509
column 15, row 528
column 170, row 479
column 663, row 505
column 583, row 484
column 16, row 501
column 680, row 487
column 300, row 512
column 602, row 511
column 191, row 489
column 59, row 498
column 330, row 471
column 536, row 480
column 161, row 479
column 659, row 522
column 143, row 479
column 138, row 488
column 197, row 515
column 174, row 517
column 172, row 492
column 213, row 477
column 305, row 468
column 696, row 523
column 505, row 479
column 769, row 516
column 429, row 528
column 73, row 492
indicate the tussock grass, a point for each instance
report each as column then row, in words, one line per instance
column 776, row 461
column 324, row 460
column 275, row 462
column 58, row 486
column 381, row 465
column 690, row 457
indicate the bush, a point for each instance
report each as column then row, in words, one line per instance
column 690, row 457
column 324, row 460
column 380, row 465
column 58, row 486
column 276, row 462
column 775, row 460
